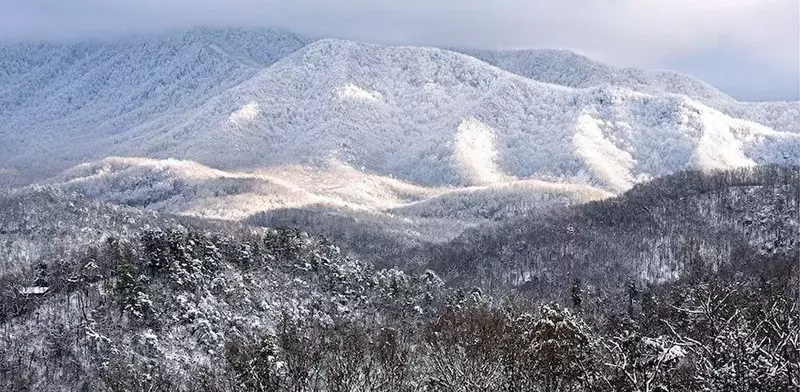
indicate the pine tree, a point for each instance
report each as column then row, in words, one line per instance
column 577, row 293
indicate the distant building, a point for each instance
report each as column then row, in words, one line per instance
column 34, row 290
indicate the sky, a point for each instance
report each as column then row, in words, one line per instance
column 749, row 49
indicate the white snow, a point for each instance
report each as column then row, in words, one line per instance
column 245, row 114
column 34, row 290
column 567, row 68
column 185, row 187
column 718, row 147
column 476, row 154
column 602, row 158
column 189, row 188
column 672, row 353
column 351, row 92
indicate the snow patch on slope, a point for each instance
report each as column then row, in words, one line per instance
column 602, row 158
column 718, row 147
column 351, row 92
column 476, row 154
column 244, row 115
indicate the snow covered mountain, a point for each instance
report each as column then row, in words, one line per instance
column 566, row 68
column 60, row 102
column 185, row 187
column 146, row 254
column 176, row 186
column 570, row 69
column 437, row 117
column 373, row 217
column 248, row 101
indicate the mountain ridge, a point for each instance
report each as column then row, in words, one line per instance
column 551, row 66
column 352, row 92
column 424, row 115
column 103, row 88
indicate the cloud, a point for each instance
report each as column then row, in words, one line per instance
column 741, row 74
column 645, row 33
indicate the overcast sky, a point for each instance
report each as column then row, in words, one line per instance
column 747, row 48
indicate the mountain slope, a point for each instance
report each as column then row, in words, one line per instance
column 373, row 217
column 424, row 115
column 77, row 95
column 185, row 187
column 166, row 306
column 655, row 232
column 47, row 223
column 436, row 117
column 566, row 68
column 179, row 308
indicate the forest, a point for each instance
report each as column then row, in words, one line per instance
column 153, row 302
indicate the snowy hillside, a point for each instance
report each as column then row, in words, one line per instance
column 185, row 187
column 71, row 97
column 160, row 306
column 652, row 232
column 46, row 223
column 566, row 68
column 436, row 117
column 188, row 188
column 251, row 211
column 249, row 101
column 501, row 201
column 375, row 218
column 570, row 69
